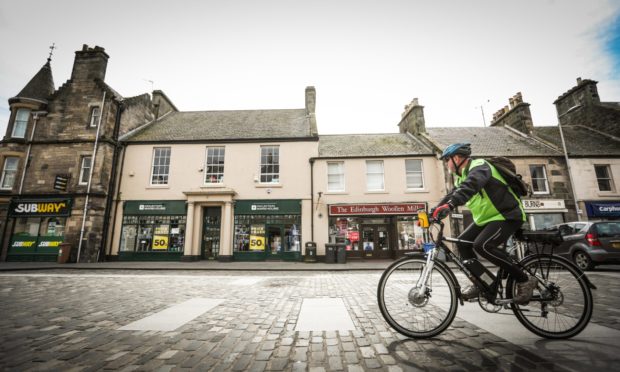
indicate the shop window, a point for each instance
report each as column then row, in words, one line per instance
column 252, row 233
column 270, row 164
column 603, row 178
column 410, row 235
column 345, row 230
column 53, row 227
column 8, row 172
column 20, row 123
column 85, row 166
column 214, row 165
column 540, row 185
column 541, row 221
column 153, row 234
column 335, row 176
column 160, row 166
column 415, row 176
column 95, row 114
column 374, row 175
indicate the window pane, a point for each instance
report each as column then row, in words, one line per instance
column 270, row 164
column 161, row 163
column 374, row 175
column 215, row 165
column 335, row 176
column 415, row 178
column 21, row 122
column 85, row 169
column 539, row 179
column 9, row 171
column 95, row 112
column 603, row 177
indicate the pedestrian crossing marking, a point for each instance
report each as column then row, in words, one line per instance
column 173, row 317
column 324, row 314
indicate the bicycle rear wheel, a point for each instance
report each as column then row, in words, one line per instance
column 560, row 309
column 405, row 310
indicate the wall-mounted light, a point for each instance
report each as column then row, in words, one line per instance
column 201, row 170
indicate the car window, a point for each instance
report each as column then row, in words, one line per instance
column 579, row 226
column 608, row 229
column 566, row 229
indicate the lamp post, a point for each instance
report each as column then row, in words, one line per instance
column 570, row 174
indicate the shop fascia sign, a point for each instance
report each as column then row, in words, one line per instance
column 378, row 209
column 543, row 204
column 162, row 207
column 603, row 209
column 267, row 207
column 40, row 207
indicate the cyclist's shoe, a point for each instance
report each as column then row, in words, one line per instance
column 524, row 291
column 470, row 293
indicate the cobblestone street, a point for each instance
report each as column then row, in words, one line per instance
column 67, row 320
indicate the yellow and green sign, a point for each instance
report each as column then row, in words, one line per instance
column 40, row 207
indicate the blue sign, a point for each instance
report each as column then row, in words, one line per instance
column 603, row 209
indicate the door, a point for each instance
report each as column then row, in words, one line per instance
column 375, row 241
column 274, row 242
column 211, row 225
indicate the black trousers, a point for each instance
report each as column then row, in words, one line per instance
column 486, row 240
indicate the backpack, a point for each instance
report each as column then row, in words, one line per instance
column 508, row 171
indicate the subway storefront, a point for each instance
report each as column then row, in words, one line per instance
column 38, row 228
column 153, row 230
column 267, row 229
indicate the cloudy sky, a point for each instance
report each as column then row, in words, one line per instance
column 367, row 59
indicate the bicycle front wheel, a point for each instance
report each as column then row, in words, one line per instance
column 411, row 313
column 563, row 306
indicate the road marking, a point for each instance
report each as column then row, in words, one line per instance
column 174, row 316
column 324, row 314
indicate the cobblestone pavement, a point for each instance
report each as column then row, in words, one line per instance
column 70, row 320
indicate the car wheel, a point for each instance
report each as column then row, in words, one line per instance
column 582, row 260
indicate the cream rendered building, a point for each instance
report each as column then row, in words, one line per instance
column 217, row 185
column 367, row 190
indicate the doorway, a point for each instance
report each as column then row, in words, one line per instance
column 211, row 225
column 274, row 242
column 375, row 241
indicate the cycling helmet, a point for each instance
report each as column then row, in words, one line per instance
column 456, row 149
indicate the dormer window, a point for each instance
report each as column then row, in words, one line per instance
column 20, row 123
column 95, row 113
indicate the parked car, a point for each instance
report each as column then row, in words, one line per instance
column 589, row 243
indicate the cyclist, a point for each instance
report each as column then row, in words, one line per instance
column 496, row 210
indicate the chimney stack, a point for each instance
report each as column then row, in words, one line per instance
column 89, row 64
column 517, row 115
column 412, row 119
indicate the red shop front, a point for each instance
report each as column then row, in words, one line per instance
column 375, row 231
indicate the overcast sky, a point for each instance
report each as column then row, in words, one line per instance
column 367, row 59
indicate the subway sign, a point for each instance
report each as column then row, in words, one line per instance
column 40, row 208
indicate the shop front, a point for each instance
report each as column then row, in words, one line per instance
column 543, row 213
column 38, row 228
column 267, row 229
column 603, row 210
column 153, row 230
column 375, row 231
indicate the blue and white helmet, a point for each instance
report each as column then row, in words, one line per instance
column 463, row 149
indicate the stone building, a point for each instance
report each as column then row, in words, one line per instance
column 591, row 132
column 540, row 163
column 60, row 156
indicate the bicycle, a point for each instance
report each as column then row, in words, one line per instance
column 418, row 295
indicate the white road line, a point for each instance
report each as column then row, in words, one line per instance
column 324, row 314
column 174, row 316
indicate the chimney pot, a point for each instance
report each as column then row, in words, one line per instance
column 578, row 80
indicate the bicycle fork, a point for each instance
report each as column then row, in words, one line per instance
column 428, row 268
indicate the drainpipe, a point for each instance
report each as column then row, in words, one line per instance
column 90, row 178
column 120, row 107
column 312, row 199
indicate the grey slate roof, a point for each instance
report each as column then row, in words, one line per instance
column 580, row 141
column 226, row 125
column 491, row 141
column 364, row 145
column 40, row 87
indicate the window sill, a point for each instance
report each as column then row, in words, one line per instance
column 158, row 187
column 268, row 185
column 415, row 191
column 335, row 193
column 213, row 186
column 376, row 192
column 608, row 194
column 541, row 193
